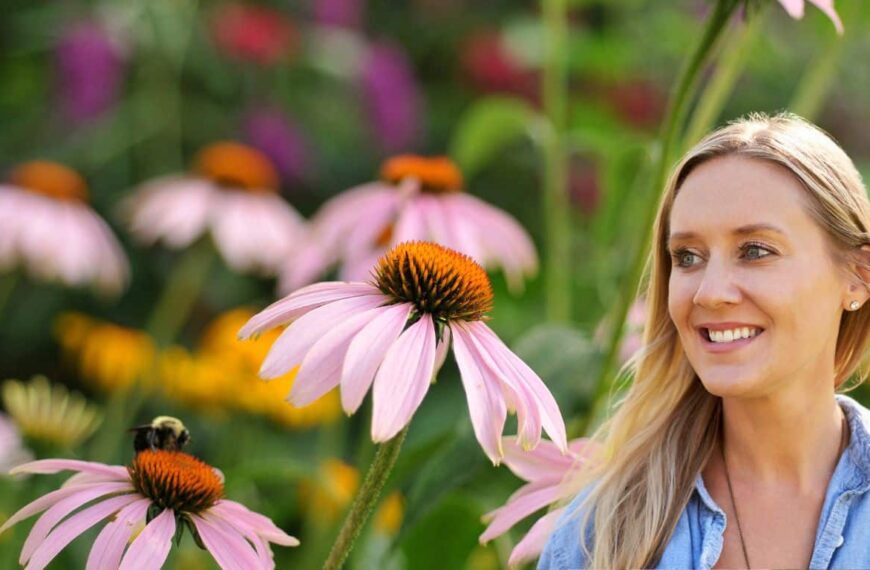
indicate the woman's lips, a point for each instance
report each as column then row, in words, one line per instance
column 720, row 347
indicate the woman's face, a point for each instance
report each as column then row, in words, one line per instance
column 754, row 291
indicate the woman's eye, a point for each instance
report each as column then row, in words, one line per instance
column 754, row 251
column 684, row 258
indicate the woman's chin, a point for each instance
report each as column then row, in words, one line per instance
column 730, row 386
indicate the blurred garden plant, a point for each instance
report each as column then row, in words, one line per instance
column 417, row 198
column 47, row 228
column 12, row 449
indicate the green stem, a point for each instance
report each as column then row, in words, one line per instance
column 180, row 293
column 737, row 49
column 677, row 108
column 7, row 286
column 556, row 206
column 817, row 80
column 364, row 503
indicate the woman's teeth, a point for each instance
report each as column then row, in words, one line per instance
column 733, row 334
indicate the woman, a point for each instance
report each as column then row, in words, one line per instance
column 730, row 449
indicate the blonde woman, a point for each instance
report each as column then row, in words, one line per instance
column 731, row 449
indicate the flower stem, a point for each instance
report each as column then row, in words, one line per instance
column 556, row 206
column 364, row 503
column 677, row 108
column 180, row 293
column 7, row 286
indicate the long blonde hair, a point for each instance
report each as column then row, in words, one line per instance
column 666, row 426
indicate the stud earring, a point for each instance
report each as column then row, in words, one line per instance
column 854, row 305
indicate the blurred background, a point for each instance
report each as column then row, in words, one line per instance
column 126, row 92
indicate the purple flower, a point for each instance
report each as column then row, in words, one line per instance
column 391, row 96
column 272, row 133
column 90, row 70
column 339, row 13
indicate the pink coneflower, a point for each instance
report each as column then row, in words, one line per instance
column 90, row 69
column 795, row 9
column 253, row 33
column 233, row 192
column 161, row 490
column 48, row 228
column 549, row 474
column 394, row 333
column 417, row 199
column 391, row 96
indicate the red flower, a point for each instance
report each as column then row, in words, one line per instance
column 253, row 33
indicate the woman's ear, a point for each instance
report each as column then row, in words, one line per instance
column 859, row 288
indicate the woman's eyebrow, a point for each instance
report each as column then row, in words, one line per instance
column 742, row 230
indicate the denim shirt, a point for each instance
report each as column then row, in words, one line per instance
column 842, row 535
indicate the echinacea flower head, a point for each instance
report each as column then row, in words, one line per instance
column 392, row 335
column 108, row 357
column 232, row 192
column 549, row 473
column 47, row 227
column 795, row 9
column 416, row 198
column 165, row 491
column 48, row 413
column 12, row 449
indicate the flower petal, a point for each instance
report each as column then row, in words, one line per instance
column 41, row 504
column 229, row 548
column 72, row 527
column 827, row 6
column 302, row 301
column 531, row 545
column 110, row 543
column 544, row 463
column 150, row 549
column 49, row 466
column 297, row 339
column 403, row 379
column 485, row 405
column 174, row 209
column 260, row 524
column 367, row 351
column 504, row 517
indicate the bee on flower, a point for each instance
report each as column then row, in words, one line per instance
column 232, row 193
column 47, row 228
column 417, row 198
column 392, row 335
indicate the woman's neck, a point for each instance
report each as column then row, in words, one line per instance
column 785, row 439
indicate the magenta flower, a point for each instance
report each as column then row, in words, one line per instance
column 393, row 334
column 391, row 96
column 417, row 199
column 160, row 490
column 795, row 9
column 47, row 227
column 340, row 13
column 234, row 194
column 549, row 472
column 90, row 69
column 271, row 132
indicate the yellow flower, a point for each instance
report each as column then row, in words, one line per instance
column 49, row 413
column 326, row 497
column 108, row 357
column 198, row 383
column 388, row 519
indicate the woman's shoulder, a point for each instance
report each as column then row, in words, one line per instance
column 859, row 426
column 564, row 549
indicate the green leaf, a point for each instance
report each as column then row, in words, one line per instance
column 487, row 129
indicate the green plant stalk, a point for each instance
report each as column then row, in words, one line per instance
column 556, row 206
column 817, row 80
column 735, row 53
column 365, row 500
column 7, row 286
column 677, row 109
column 180, row 293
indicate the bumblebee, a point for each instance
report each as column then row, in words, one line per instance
column 164, row 432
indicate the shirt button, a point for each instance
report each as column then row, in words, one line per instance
column 840, row 541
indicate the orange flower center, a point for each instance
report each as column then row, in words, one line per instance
column 175, row 480
column 237, row 166
column 437, row 280
column 50, row 179
column 438, row 175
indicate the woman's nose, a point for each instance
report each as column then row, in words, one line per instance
column 717, row 286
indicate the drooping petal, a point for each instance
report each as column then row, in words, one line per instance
column 44, row 525
column 544, row 463
column 320, row 370
column 372, row 222
column 150, row 549
column 110, row 543
column 41, row 504
column 411, row 225
column 403, row 379
column 302, row 301
column 367, row 351
column 485, row 405
column 229, row 549
column 49, row 466
column 261, row 524
column 235, row 527
column 441, row 350
column 297, row 339
column 503, row 518
column 827, row 6
column 531, row 545
column 174, row 209
column 513, row 367
column 72, row 527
